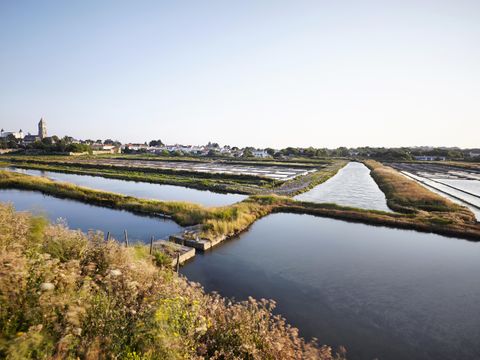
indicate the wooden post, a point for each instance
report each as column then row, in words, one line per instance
column 178, row 262
column 126, row 238
column 151, row 245
column 108, row 235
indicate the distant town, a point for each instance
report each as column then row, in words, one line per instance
column 41, row 143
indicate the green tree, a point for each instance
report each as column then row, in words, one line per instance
column 156, row 143
column 247, row 153
column 270, row 151
column 213, row 153
column 342, row 151
column 47, row 141
column 12, row 142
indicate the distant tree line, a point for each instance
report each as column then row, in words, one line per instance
column 51, row 144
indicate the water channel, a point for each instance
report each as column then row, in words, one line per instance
column 383, row 293
column 89, row 217
column 351, row 186
column 139, row 189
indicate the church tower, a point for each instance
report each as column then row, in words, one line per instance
column 42, row 129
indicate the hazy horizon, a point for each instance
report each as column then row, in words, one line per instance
column 265, row 74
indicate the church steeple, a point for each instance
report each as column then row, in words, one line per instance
column 42, row 129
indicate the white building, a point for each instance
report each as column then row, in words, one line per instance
column 261, row 154
column 28, row 139
column 17, row 135
column 136, row 147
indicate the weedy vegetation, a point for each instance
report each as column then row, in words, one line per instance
column 66, row 295
column 406, row 195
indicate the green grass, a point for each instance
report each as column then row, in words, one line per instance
column 161, row 258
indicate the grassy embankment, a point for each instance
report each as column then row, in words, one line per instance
column 64, row 295
column 407, row 196
column 249, row 185
column 217, row 221
column 230, row 220
column 202, row 181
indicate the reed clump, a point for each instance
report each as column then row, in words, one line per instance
column 66, row 295
column 228, row 221
column 407, row 196
column 404, row 194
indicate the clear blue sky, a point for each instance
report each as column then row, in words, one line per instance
column 262, row 73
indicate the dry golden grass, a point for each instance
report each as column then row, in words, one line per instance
column 64, row 295
column 406, row 195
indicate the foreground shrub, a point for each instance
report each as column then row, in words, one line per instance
column 66, row 295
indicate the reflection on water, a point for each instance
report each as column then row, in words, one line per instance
column 140, row 189
column 381, row 292
column 85, row 217
column 351, row 186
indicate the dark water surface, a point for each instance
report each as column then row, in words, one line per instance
column 140, row 189
column 383, row 293
column 88, row 217
column 351, row 186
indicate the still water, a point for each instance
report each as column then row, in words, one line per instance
column 88, row 217
column 140, row 189
column 351, row 186
column 383, row 293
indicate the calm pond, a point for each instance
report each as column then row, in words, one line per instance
column 140, row 189
column 351, row 186
column 88, row 217
column 383, row 293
